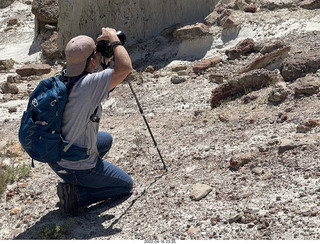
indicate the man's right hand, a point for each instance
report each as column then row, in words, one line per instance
column 108, row 34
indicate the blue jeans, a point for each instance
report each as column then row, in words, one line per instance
column 103, row 181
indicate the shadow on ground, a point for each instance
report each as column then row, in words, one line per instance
column 87, row 225
column 90, row 224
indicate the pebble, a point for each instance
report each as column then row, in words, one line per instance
column 15, row 210
column 199, row 191
column 257, row 171
column 192, row 230
column 178, row 79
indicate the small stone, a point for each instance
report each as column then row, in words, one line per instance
column 6, row 64
column 12, row 110
column 179, row 67
column 251, row 225
column 9, row 88
column 15, row 211
column 200, row 191
column 258, row 171
column 149, row 69
column 178, row 79
column 204, row 64
column 192, row 230
column 237, row 218
column 13, row 21
column 250, row 8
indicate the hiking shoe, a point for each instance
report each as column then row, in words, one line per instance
column 68, row 199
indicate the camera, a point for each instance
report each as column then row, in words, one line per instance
column 104, row 47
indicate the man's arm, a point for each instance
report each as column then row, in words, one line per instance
column 122, row 62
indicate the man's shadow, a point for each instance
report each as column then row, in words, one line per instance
column 87, row 225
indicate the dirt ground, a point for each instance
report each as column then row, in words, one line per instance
column 274, row 196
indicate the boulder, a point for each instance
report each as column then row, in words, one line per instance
column 33, row 69
column 46, row 11
column 205, row 64
column 5, row 3
column 50, row 47
column 307, row 85
column 191, row 31
column 310, row 4
column 243, row 47
column 299, row 65
column 241, row 84
column 272, row 59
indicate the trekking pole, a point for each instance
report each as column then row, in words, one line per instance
column 146, row 122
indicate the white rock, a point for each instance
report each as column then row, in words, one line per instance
column 199, row 191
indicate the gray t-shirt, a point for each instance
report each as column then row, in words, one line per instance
column 86, row 95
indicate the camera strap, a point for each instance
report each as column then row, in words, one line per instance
column 103, row 64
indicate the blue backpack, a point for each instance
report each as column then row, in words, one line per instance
column 40, row 129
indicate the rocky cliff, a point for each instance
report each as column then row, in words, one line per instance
column 139, row 19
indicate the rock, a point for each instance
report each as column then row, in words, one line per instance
column 307, row 126
column 50, row 27
column 14, row 79
column 239, row 160
column 12, row 109
column 191, row 31
column 205, row 64
column 50, row 47
column 258, row 171
column 216, row 77
column 200, row 191
column 192, row 230
column 306, row 85
column 7, row 64
column 15, row 150
column 223, row 118
column 271, row 47
column 179, row 68
column 178, row 79
column 230, row 23
column 9, row 88
column 279, row 93
column 274, row 5
column 236, row 219
column 13, row 21
column 289, row 144
column 5, row 3
column 251, row 81
column 225, row 18
column 211, row 19
column 34, row 69
column 310, row 4
column 219, row 15
column 272, row 59
column 149, row 69
column 15, row 210
column 251, row 8
column 300, row 65
column 46, row 11
column 168, row 32
column 243, row 47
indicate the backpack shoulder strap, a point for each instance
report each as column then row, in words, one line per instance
column 70, row 81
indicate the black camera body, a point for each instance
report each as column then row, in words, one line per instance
column 104, row 47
